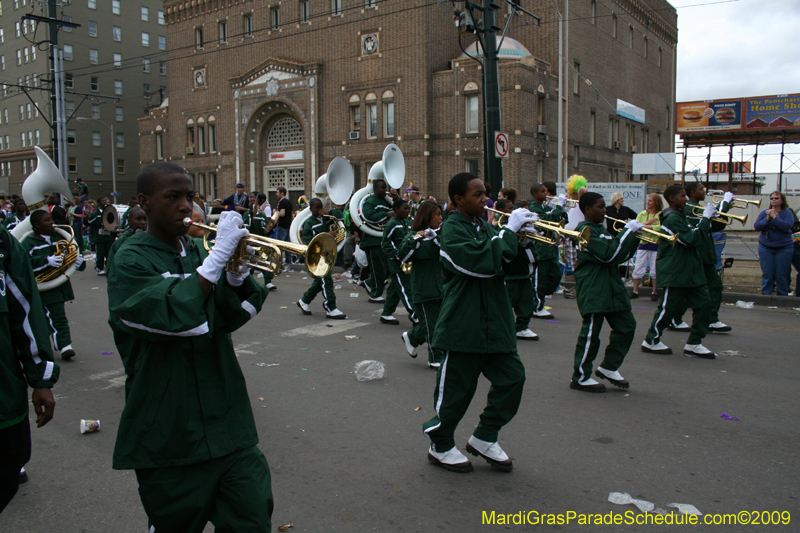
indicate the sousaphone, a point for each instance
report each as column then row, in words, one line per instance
column 392, row 169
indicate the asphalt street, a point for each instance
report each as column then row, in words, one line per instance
column 350, row 456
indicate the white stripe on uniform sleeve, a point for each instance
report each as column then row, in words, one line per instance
column 247, row 306
column 202, row 329
column 48, row 370
column 463, row 270
column 26, row 324
column 616, row 252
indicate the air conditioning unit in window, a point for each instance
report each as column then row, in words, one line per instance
column 190, row 150
column 355, row 135
column 542, row 129
column 616, row 145
column 634, row 148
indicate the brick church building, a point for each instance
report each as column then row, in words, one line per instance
column 268, row 93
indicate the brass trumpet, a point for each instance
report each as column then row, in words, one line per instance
column 407, row 266
column 265, row 254
column 646, row 234
column 739, row 203
column 724, row 218
column 580, row 238
column 570, row 203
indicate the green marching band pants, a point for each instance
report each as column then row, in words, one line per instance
column 326, row 286
column 59, row 325
column 545, row 280
column 714, row 293
column 101, row 253
column 623, row 328
column 520, row 293
column 399, row 284
column 673, row 302
column 428, row 314
column 378, row 271
column 456, row 382
column 232, row 492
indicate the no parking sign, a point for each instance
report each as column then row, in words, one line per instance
column 500, row 144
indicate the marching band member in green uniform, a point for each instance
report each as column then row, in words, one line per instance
column 313, row 226
column 602, row 296
column 123, row 223
column 187, row 427
column 393, row 234
column 475, row 329
column 680, row 271
column 377, row 209
column 519, row 273
column 548, row 272
column 137, row 222
column 41, row 247
column 100, row 236
column 697, row 193
column 25, row 361
column 17, row 216
column 256, row 221
column 421, row 247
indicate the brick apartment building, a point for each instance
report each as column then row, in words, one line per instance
column 119, row 50
column 268, row 93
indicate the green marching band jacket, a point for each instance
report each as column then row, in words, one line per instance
column 255, row 223
column 12, row 221
column 597, row 282
column 708, row 254
column 393, row 234
column 314, row 226
column 25, row 357
column 476, row 315
column 524, row 265
column 426, row 272
column 124, row 236
column 186, row 397
column 681, row 265
column 375, row 210
column 39, row 249
column 546, row 252
column 98, row 232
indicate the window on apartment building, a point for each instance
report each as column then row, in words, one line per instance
column 658, row 143
column 119, row 114
column 120, row 139
column 613, row 133
column 354, row 104
column 159, row 144
column 33, row 53
column 161, row 21
column 92, row 56
column 97, row 166
column 372, row 115
column 120, row 166
column 248, row 24
column 26, row 54
column 92, row 4
column 473, row 166
column 69, row 81
column 190, row 136
column 660, row 56
column 21, row 112
column 65, row 18
column 200, row 133
column 473, row 114
column 95, row 83
column 145, row 65
column 28, row 111
column 92, row 29
column 667, row 118
column 594, row 11
column 118, row 60
column 336, row 7
column 115, row 7
column 223, row 31
column 17, row 29
column 198, row 37
column 95, row 111
column 67, row 52
column 212, row 134
column 96, row 141
column 162, row 68
column 70, row 136
column 614, row 26
column 645, row 46
column 576, row 79
column 592, row 128
column 305, row 11
column 645, row 141
column 2, row 62
column 630, row 37
column 72, row 164
column 116, row 33
column 275, row 18
column 388, row 114
column 69, row 108
column 117, row 87
column 22, row 139
column 576, row 156
column 162, row 42
column 370, row 3
column 145, row 13
column 146, row 39
column 540, row 109
column 146, row 90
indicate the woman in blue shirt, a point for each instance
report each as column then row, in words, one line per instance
column 775, row 247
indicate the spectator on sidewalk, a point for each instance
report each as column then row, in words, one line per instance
column 775, row 245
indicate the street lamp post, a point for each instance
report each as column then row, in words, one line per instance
column 113, row 155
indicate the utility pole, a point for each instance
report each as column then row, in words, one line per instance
column 486, row 32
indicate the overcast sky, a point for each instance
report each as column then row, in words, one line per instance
column 737, row 49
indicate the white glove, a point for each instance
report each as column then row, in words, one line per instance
column 728, row 197
column 430, row 234
column 79, row 261
column 709, row 211
column 562, row 200
column 229, row 233
column 518, row 218
column 236, row 280
column 634, row 226
column 535, row 217
column 55, row 261
column 528, row 228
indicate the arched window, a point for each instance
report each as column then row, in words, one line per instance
column 190, row 136
column 159, row 143
column 388, row 113
column 354, row 102
column 212, row 134
column 285, row 133
column 201, row 135
column 372, row 115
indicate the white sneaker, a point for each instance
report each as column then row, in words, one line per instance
column 659, row 348
column 67, row 352
column 491, row 451
column 410, row 348
column 528, row 335
column 390, row 320
column 260, row 275
column 613, row 376
column 698, row 350
column 683, row 326
column 376, row 300
column 544, row 313
column 560, row 290
column 271, row 286
column 336, row 314
column 719, row 327
column 452, row 460
column 304, row 307
column 434, row 365
column 347, row 274
column 101, row 273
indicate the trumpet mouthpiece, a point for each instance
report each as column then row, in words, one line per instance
column 187, row 221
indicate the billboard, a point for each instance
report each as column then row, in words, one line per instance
column 762, row 113
column 635, row 193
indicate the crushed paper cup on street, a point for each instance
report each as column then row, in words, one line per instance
column 745, row 305
column 623, row 498
column 89, row 426
column 354, row 294
column 351, row 337
column 368, row 370
column 685, row 508
column 284, row 527
column 337, row 287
